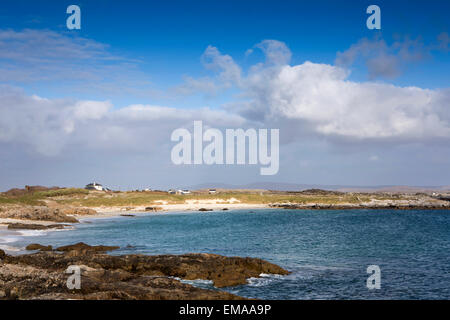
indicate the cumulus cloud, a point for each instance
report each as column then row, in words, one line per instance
column 47, row 126
column 322, row 97
column 309, row 99
column 381, row 59
column 276, row 52
column 322, row 100
column 227, row 73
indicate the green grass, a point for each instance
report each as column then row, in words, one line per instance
column 36, row 198
column 149, row 198
column 30, row 200
column 82, row 197
column 61, row 192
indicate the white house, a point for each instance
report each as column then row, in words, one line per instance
column 96, row 186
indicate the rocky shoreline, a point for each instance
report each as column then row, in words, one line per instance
column 321, row 206
column 42, row 275
column 43, row 213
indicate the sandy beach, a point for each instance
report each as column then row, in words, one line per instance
column 104, row 212
column 189, row 205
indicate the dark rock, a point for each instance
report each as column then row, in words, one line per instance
column 42, row 275
column 154, row 209
column 127, row 215
column 39, row 213
column 299, row 206
column 78, row 211
column 2, row 254
column 225, row 209
column 30, row 226
column 204, row 209
column 83, row 247
column 37, row 246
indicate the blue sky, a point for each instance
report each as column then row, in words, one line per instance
column 150, row 53
column 170, row 36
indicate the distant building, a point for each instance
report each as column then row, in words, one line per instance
column 171, row 191
column 96, row 186
column 212, row 191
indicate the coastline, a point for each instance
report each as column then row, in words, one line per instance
column 20, row 266
column 109, row 212
column 167, row 276
column 193, row 206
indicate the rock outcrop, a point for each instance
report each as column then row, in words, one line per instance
column 78, row 211
column 40, row 213
column 31, row 226
column 37, row 246
column 83, row 248
column 42, row 275
column 153, row 209
column 392, row 206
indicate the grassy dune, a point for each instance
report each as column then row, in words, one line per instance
column 81, row 197
column 37, row 198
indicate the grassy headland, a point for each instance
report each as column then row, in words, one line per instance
column 84, row 198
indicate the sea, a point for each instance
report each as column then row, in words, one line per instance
column 329, row 253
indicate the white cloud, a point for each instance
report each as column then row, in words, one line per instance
column 322, row 97
column 91, row 110
column 305, row 100
column 381, row 59
column 276, row 52
column 47, row 126
column 61, row 60
column 228, row 73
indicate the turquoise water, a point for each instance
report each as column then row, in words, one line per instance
column 327, row 251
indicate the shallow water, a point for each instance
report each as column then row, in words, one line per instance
column 327, row 251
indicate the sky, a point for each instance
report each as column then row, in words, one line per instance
column 353, row 106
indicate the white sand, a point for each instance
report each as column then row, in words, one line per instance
column 104, row 212
column 189, row 205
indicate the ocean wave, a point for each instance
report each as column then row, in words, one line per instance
column 263, row 279
column 32, row 233
column 198, row 282
column 8, row 239
column 10, row 249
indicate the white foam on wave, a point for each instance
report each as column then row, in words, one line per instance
column 198, row 282
column 263, row 279
column 269, row 275
column 258, row 282
column 32, row 233
column 8, row 239
column 9, row 248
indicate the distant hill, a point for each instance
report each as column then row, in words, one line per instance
column 281, row 186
